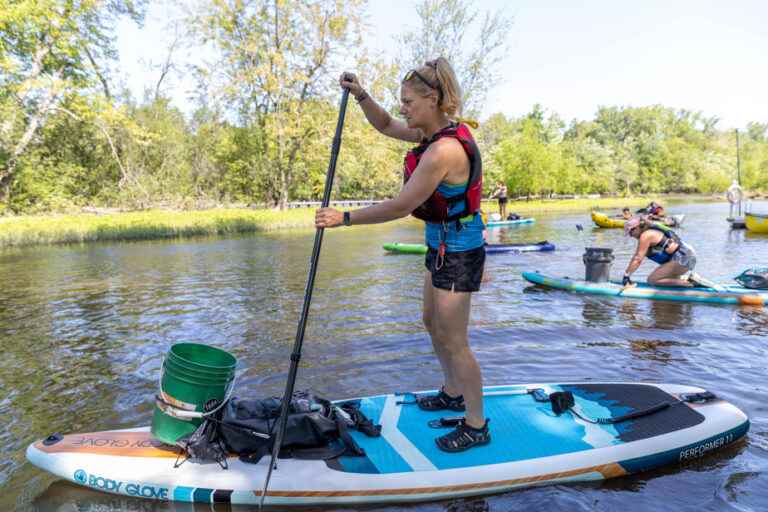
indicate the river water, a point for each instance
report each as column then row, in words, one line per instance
column 84, row 328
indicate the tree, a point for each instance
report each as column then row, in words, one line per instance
column 444, row 30
column 275, row 60
column 590, row 165
column 529, row 165
column 50, row 50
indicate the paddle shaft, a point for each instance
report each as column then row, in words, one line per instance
column 299, row 341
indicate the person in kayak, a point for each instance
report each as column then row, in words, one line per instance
column 442, row 186
column 654, row 211
column 662, row 245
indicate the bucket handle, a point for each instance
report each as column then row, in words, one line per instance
column 183, row 414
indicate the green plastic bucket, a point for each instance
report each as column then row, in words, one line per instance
column 192, row 374
column 202, row 358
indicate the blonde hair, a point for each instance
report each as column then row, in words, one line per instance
column 440, row 74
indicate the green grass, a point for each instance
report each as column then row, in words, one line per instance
column 145, row 225
column 152, row 224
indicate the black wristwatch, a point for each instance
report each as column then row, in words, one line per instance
column 347, row 220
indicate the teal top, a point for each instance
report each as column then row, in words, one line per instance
column 471, row 234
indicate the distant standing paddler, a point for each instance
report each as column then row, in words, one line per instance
column 735, row 196
column 500, row 193
column 442, row 185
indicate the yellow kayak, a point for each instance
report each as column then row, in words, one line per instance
column 756, row 222
column 604, row 221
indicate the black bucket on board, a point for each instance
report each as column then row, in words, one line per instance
column 597, row 264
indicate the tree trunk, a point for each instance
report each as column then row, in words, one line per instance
column 6, row 175
column 282, row 203
column 99, row 74
column 5, row 185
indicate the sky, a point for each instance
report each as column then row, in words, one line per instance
column 569, row 56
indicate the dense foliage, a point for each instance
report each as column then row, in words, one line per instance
column 267, row 107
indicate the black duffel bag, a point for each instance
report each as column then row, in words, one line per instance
column 310, row 423
column 315, row 429
column 755, row 278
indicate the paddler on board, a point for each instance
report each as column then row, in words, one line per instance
column 660, row 244
column 443, row 187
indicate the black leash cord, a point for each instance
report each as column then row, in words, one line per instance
column 629, row 416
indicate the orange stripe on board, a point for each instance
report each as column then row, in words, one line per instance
column 747, row 300
column 119, row 444
column 607, row 470
column 752, row 300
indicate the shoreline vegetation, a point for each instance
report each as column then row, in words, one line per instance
column 20, row 231
column 72, row 135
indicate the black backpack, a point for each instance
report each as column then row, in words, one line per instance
column 755, row 278
column 315, row 429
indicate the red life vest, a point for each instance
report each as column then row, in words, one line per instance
column 436, row 207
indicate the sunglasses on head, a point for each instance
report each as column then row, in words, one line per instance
column 409, row 75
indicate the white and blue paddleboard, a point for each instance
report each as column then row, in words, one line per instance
column 502, row 223
column 723, row 294
column 530, row 446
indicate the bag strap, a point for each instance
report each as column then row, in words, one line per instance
column 360, row 422
column 350, row 444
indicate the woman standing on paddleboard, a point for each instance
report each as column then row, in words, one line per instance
column 442, row 186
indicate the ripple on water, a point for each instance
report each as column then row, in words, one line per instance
column 85, row 328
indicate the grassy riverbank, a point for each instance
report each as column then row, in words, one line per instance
column 154, row 224
column 145, row 225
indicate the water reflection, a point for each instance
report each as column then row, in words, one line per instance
column 66, row 497
column 604, row 312
column 468, row 505
column 736, row 235
column 670, row 315
column 752, row 320
column 598, row 312
column 631, row 312
column 657, row 350
column 755, row 236
column 84, row 327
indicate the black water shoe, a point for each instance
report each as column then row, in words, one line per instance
column 441, row 402
column 464, row 438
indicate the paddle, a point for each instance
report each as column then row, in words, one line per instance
column 701, row 281
column 296, row 354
